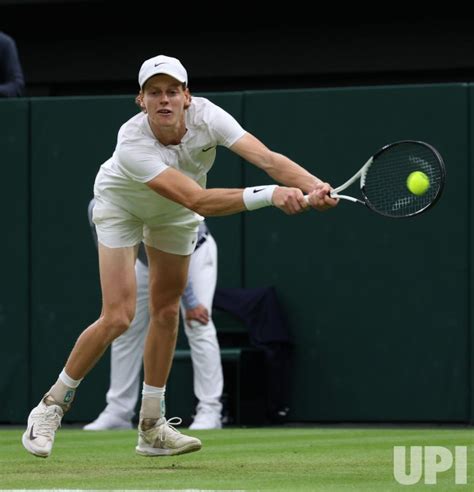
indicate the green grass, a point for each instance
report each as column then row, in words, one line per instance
column 281, row 458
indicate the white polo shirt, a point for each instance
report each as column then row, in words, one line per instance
column 140, row 157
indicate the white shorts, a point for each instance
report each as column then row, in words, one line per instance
column 117, row 228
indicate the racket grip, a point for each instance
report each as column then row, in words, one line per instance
column 332, row 194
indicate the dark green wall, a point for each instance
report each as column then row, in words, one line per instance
column 14, row 260
column 470, row 213
column 379, row 309
column 70, row 138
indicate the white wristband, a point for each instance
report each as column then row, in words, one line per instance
column 258, row 196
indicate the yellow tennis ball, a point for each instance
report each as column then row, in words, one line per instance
column 418, row 183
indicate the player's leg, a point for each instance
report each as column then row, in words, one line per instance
column 118, row 292
column 205, row 350
column 168, row 274
column 126, row 358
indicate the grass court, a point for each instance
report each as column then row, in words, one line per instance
column 323, row 458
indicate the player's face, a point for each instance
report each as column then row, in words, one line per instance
column 165, row 100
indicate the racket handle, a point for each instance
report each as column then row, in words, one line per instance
column 332, row 194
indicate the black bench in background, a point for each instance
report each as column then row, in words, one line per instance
column 255, row 351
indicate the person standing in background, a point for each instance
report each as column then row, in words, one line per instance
column 127, row 350
column 12, row 81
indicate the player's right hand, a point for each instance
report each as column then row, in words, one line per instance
column 320, row 197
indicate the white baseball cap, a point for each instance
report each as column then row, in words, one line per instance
column 162, row 64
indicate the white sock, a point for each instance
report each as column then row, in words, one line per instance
column 68, row 381
column 63, row 390
column 153, row 391
column 153, row 402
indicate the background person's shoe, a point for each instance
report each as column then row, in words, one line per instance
column 162, row 439
column 206, row 419
column 107, row 421
column 43, row 422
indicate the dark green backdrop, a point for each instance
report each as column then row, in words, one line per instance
column 15, row 353
column 379, row 309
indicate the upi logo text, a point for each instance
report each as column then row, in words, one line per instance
column 428, row 460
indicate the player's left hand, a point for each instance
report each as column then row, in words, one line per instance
column 320, row 197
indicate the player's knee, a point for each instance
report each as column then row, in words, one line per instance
column 166, row 316
column 117, row 323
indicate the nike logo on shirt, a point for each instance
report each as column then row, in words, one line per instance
column 209, row 148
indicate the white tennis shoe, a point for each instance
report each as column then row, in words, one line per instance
column 162, row 439
column 107, row 421
column 206, row 418
column 43, row 422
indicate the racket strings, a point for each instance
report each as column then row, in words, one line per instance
column 385, row 185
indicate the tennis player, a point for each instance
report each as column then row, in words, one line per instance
column 152, row 189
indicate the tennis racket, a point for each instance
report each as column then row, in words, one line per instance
column 383, row 179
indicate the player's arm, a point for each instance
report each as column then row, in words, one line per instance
column 176, row 186
column 280, row 168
